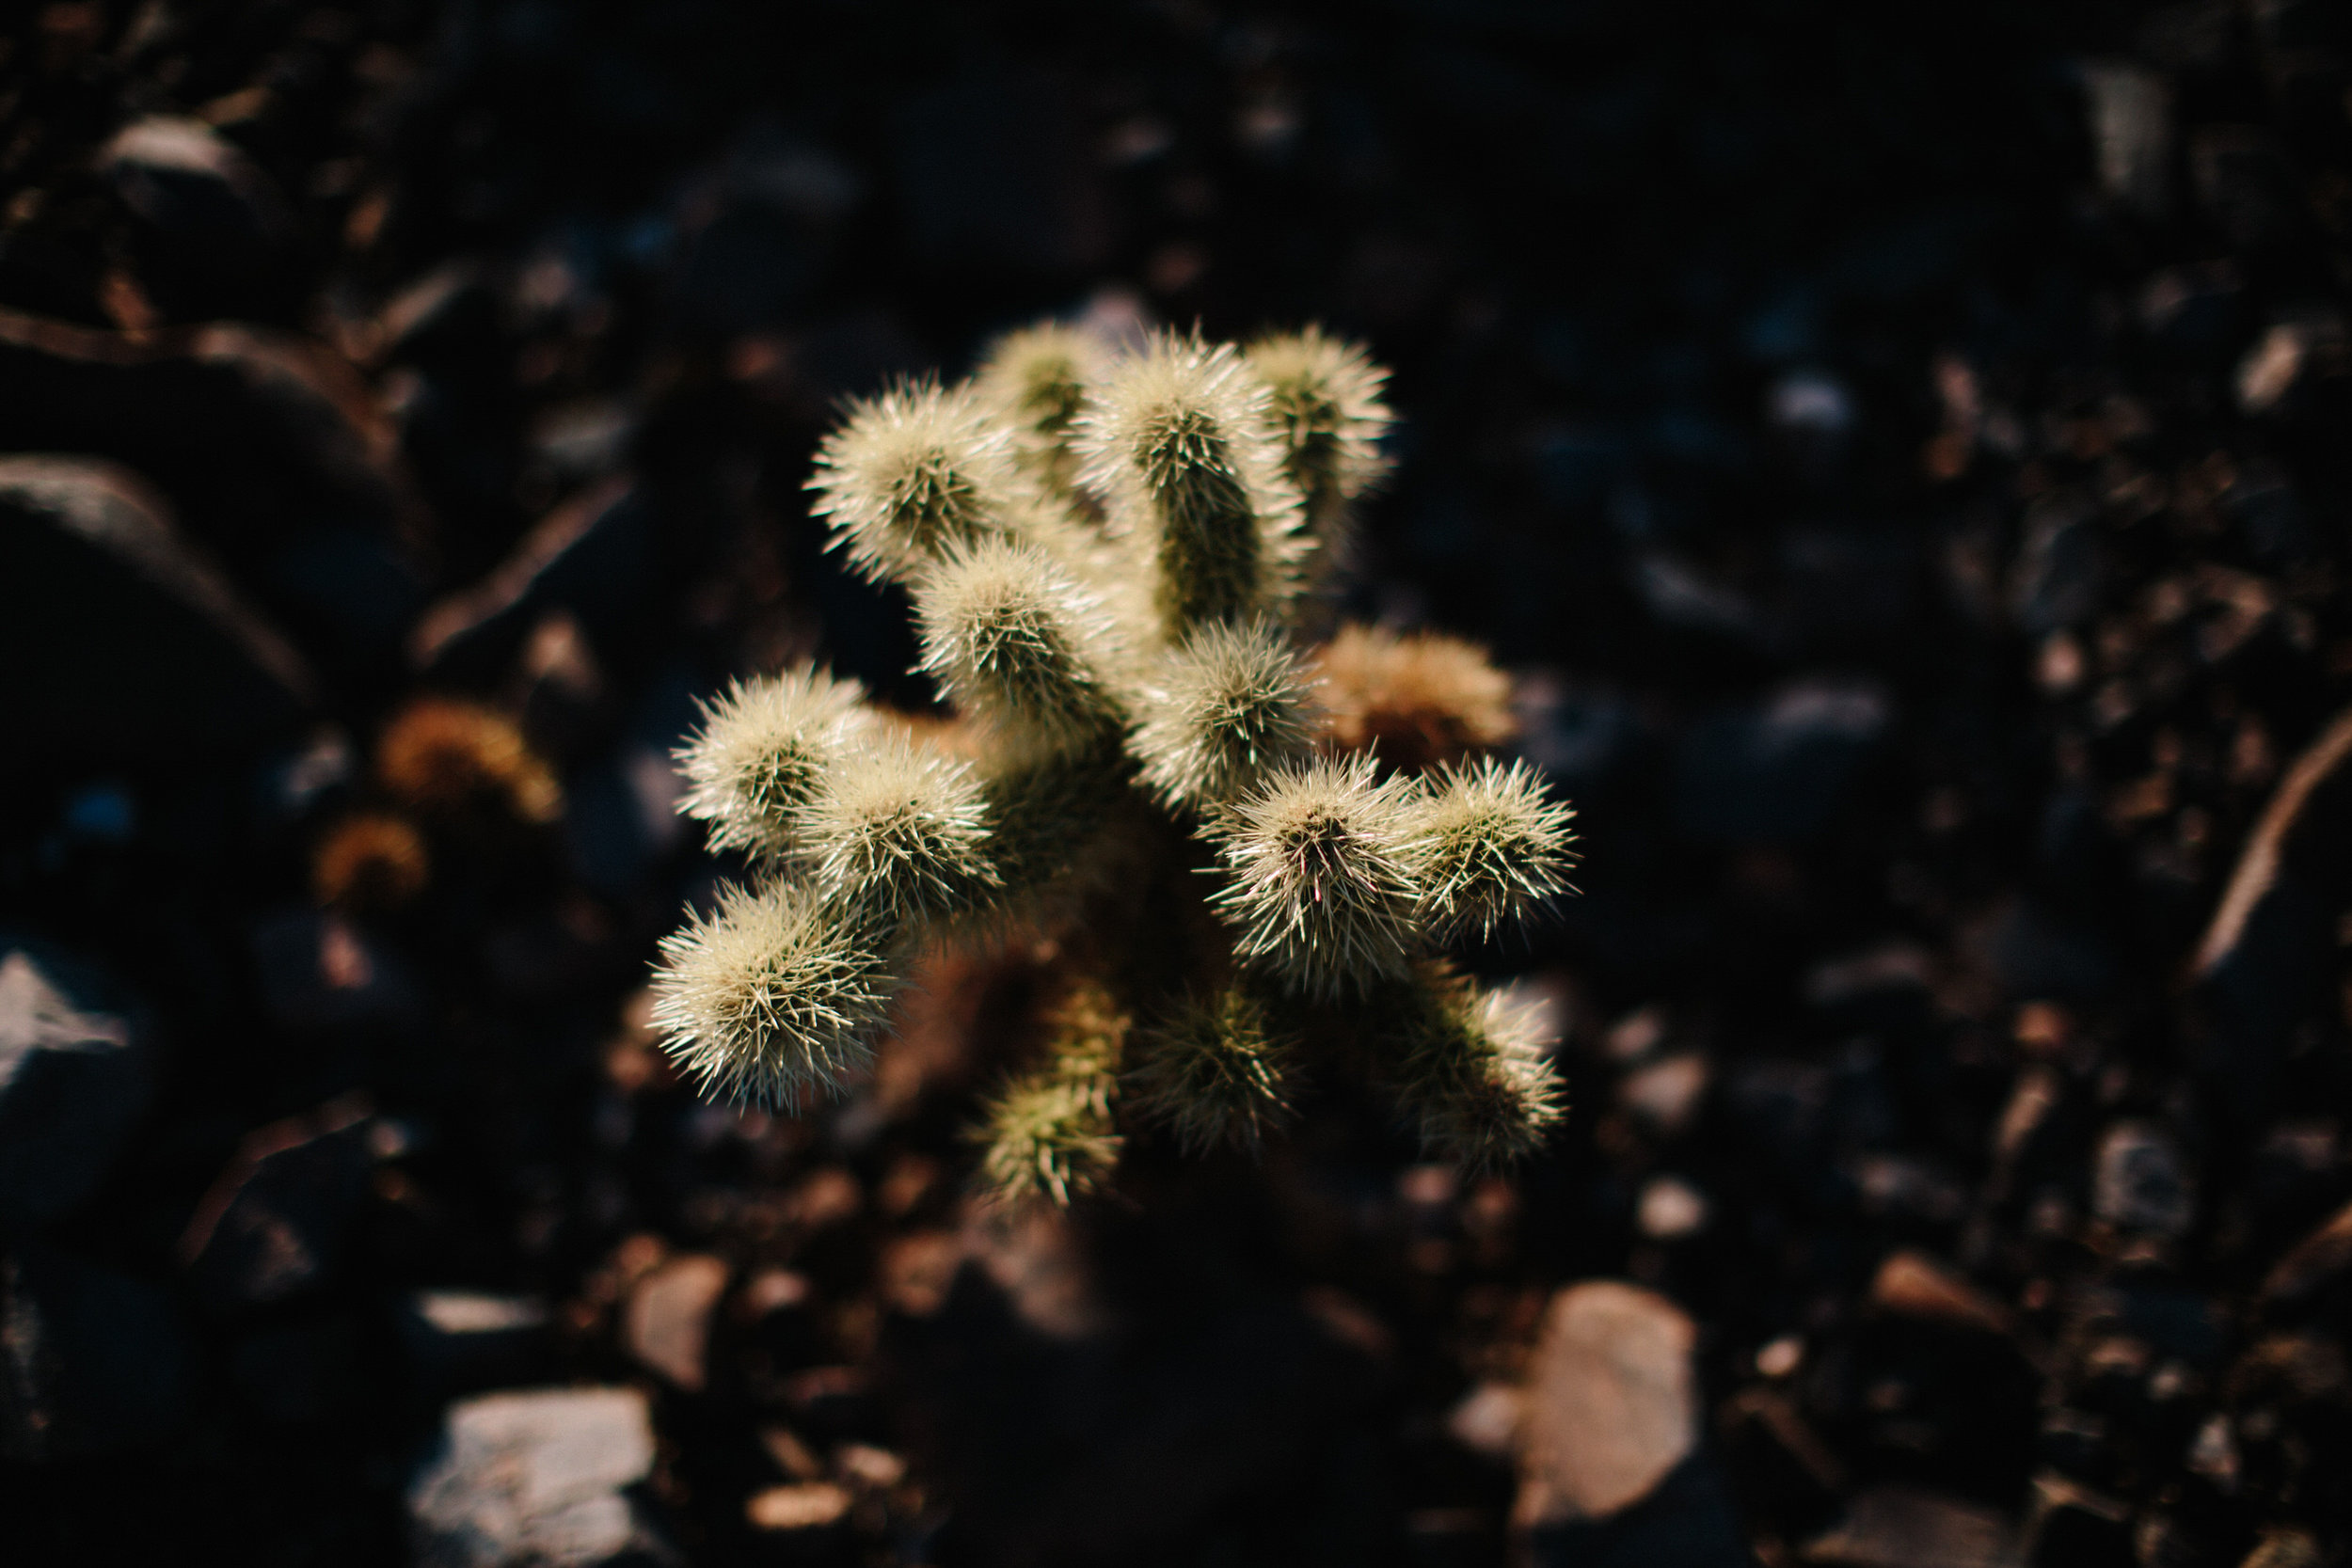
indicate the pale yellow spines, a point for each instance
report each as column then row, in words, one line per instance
column 914, row 473
column 1178, row 446
column 773, row 997
column 764, row 746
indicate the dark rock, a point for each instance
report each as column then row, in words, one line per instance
column 457, row 1341
column 595, row 557
column 1842, row 586
column 74, row 1077
column 2140, row 1182
column 1781, row 769
column 536, row 1477
column 296, row 1374
column 2034, row 953
column 2245, row 185
column 275, row 1224
column 1686, row 1521
column 2055, row 582
column 212, row 234
column 2195, row 313
column 2314, row 1261
column 2072, row 1527
column 320, row 975
column 760, row 234
column 271, row 448
column 118, row 638
column 91, row 1361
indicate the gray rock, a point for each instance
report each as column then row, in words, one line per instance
column 91, row 1361
column 1611, row 1403
column 118, row 637
column 75, row 1076
column 275, row 454
column 211, row 229
column 2140, row 1184
column 2130, row 112
column 535, row 1477
column 274, row 1226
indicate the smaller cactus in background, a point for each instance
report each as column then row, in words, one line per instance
column 1112, row 561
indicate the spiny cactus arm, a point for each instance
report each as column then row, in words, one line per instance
column 1326, row 410
column 1216, row 1070
column 912, row 473
column 1177, row 443
column 1050, row 1134
column 1469, row 1066
column 897, row 833
column 1045, row 808
column 1015, row 639
column 773, row 997
column 761, row 752
column 1489, row 847
column 1319, row 886
column 1041, row 378
column 1227, row 705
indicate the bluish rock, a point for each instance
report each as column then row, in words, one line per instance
column 1779, row 769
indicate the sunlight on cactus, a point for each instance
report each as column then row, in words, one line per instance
column 1247, row 853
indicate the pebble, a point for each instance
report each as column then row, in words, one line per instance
column 2140, row 1182
column 1914, row 1284
column 808, row 1505
column 668, row 1323
column 1666, row 1094
column 74, row 1078
column 1670, row 1208
column 535, row 1477
column 1611, row 1403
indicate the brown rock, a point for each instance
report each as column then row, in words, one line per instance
column 1610, row 1403
column 1903, row 1527
column 1914, row 1284
column 668, row 1323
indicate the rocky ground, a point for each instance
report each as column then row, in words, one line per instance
column 1904, row 458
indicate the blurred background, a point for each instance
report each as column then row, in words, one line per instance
column 1903, row 456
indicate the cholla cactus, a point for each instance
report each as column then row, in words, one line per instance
column 1110, row 560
